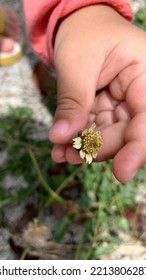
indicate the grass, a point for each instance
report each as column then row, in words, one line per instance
column 99, row 198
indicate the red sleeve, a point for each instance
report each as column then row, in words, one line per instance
column 42, row 17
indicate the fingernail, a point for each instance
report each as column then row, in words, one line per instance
column 59, row 128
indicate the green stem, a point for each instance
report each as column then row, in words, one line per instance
column 80, row 246
column 17, row 142
column 65, row 182
column 69, row 179
column 54, row 195
column 24, row 253
column 95, row 233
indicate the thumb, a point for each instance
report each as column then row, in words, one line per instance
column 74, row 98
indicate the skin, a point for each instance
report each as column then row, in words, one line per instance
column 100, row 60
column 12, row 30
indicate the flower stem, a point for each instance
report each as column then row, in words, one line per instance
column 17, row 142
column 54, row 195
column 65, row 182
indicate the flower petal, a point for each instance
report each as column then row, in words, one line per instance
column 95, row 155
column 92, row 127
column 88, row 158
column 82, row 154
column 77, row 143
column 84, row 132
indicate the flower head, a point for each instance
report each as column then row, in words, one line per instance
column 88, row 143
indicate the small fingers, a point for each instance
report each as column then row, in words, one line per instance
column 133, row 155
column 129, row 160
column 113, row 140
column 58, row 153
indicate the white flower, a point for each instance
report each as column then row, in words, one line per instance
column 88, row 143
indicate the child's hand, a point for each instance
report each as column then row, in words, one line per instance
column 98, row 50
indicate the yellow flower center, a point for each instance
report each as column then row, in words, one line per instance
column 91, row 142
column 88, row 143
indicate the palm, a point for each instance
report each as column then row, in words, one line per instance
column 120, row 113
column 112, row 118
column 121, row 117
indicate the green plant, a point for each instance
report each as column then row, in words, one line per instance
column 102, row 200
column 140, row 18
